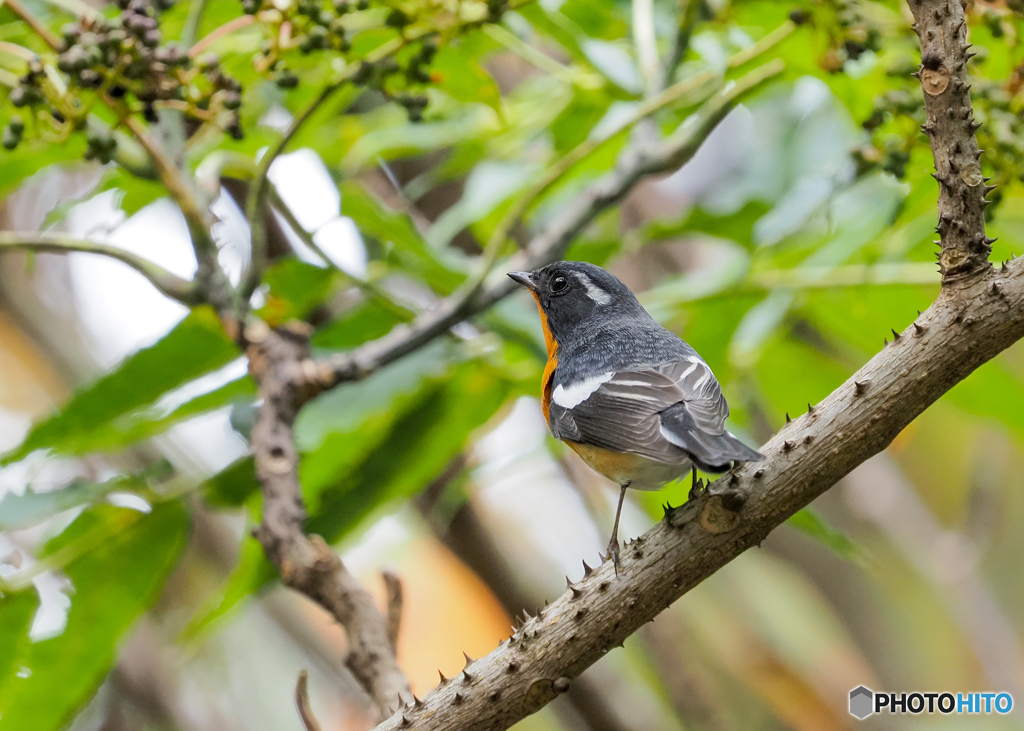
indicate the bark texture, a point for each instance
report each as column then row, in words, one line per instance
column 306, row 563
column 950, row 128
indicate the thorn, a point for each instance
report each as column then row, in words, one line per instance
column 469, row 660
column 885, row 341
column 895, row 335
column 467, row 678
column 580, row 614
column 919, row 313
column 859, row 387
column 405, row 722
column 576, row 593
column 457, row 700
column 995, row 288
column 416, row 702
column 513, row 666
column 787, row 445
column 975, row 126
column 788, row 420
column 758, row 474
column 808, row 439
column 810, row 409
column 444, row 680
column 918, row 329
column 587, row 571
column 733, row 479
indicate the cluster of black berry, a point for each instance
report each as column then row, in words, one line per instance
column 122, row 58
column 857, row 34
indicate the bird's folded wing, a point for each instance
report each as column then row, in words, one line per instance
column 669, row 413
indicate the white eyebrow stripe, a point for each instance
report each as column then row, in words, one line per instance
column 593, row 291
column 572, row 396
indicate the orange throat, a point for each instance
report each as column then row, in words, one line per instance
column 549, row 370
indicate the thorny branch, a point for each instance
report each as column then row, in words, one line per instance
column 307, row 564
column 950, row 129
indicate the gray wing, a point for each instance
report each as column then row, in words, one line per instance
column 670, row 413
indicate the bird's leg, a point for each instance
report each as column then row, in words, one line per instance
column 695, row 485
column 613, row 544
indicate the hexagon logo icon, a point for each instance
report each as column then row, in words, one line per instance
column 861, row 702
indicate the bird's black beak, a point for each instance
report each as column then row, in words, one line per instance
column 525, row 279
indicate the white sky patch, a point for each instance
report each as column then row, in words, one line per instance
column 204, row 384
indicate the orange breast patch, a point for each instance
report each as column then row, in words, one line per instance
column 549, row 369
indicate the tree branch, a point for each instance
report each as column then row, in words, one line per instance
column 167, row 283
column 210, row 278
column 307, row 564
column 950, row 128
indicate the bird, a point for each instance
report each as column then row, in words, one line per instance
column 632, row 399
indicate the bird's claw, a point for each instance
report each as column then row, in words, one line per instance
column 613, row 554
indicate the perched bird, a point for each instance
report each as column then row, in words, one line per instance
column 629, row 397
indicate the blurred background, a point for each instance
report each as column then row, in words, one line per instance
column 785, row 251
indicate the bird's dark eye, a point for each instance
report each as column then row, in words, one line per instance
column 559, row 283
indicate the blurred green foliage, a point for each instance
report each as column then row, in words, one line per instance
column 808, row 243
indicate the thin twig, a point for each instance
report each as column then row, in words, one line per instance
column 309, row 721
column 216, row 34
column 393, row 585
column 37, row 25
column 645, row 41
column 167, row 283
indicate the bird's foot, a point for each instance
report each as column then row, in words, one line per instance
column 613, row 553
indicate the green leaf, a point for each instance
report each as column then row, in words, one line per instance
column 401, row 240
column 419, row 447
column 295, row 288
column 195, row 346
column 463, row 78
column 233, row 485
column 114, row 581
column 336, row 431
column 21, row 511
column 17, row 610
column 811, row 523
column 367, row 321
column 133, row 193
column 252, row 573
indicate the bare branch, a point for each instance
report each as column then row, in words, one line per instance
column 950, row 129
column 307, row 564
column 964, row 328
column 167, row 283
column 37, row 25
column 393, row 584
column 309, row 721
column 210, row 279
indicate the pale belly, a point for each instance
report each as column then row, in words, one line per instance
column 623, row 467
